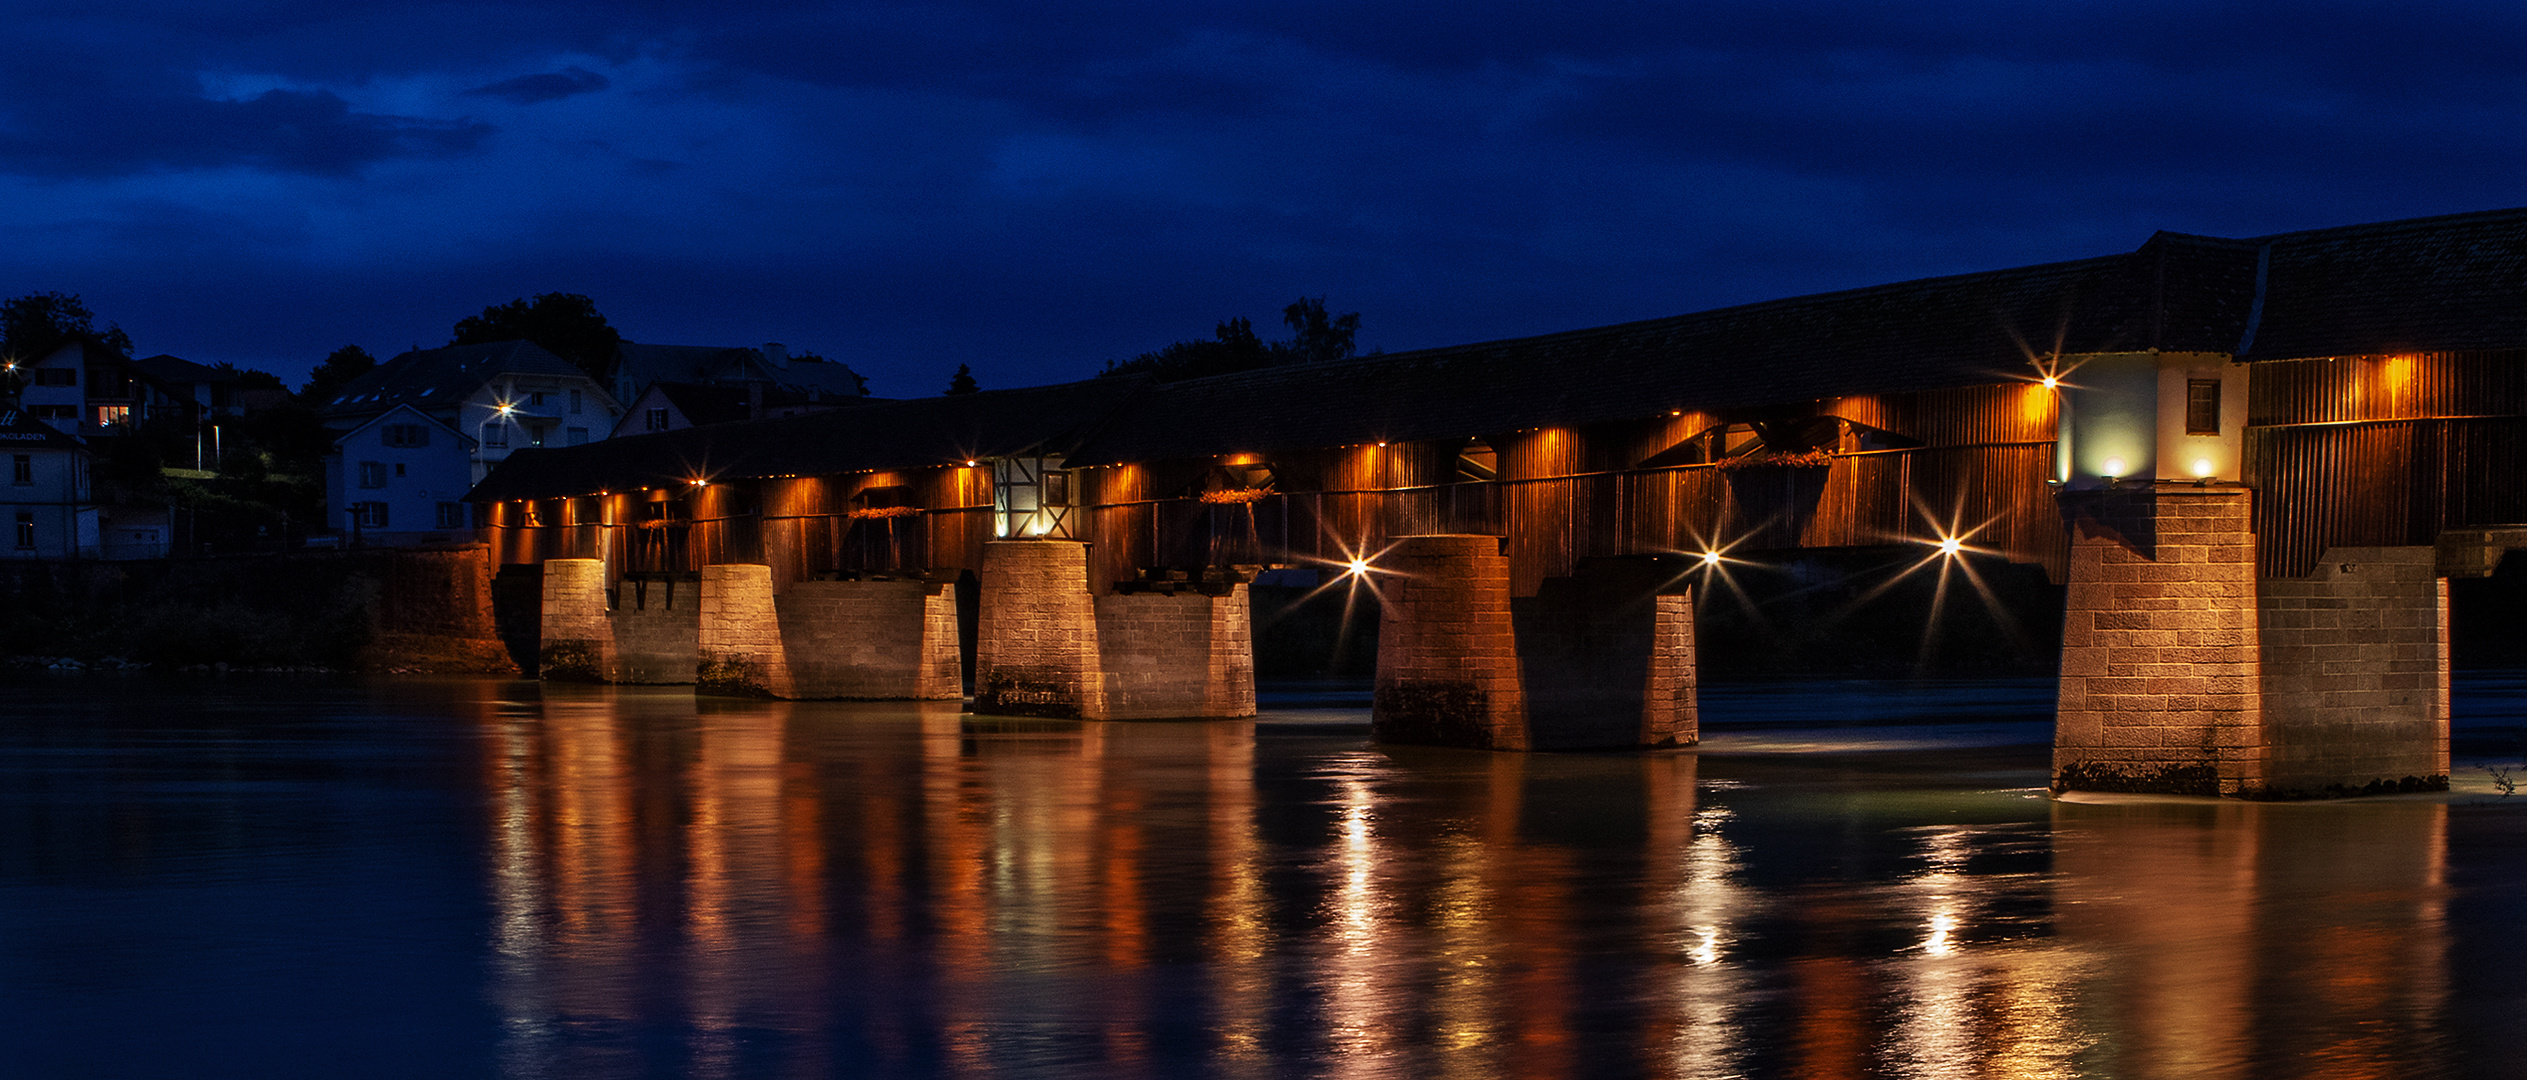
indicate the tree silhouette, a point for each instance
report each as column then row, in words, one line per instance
column 34, row 324
column 567, row 324
column 345, row 364
column 963, row 381
column 1318, row 335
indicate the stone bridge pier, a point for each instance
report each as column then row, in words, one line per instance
column 728, row 632
column 1601, row 660
column 2185, row 672
column 1045, row 645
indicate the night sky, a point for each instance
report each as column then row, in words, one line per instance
column 1033, row 189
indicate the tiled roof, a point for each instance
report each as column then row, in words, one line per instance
column 2424, row 285
column 905, row 434
column 431, row 378
column 19, row 431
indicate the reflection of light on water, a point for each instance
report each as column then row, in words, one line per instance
column 1710, row 992
column 1938, row 944
column 1356, row 995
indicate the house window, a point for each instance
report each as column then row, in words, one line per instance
column 535, row 398
column 369, row 515
column 26, row 530
column 113, row 415
column 22, row 469
column 57, row 376
column 407, row 435
column 496, row 433
column 2202, row 406
column 372, row 474
column 656, row 420
column 574, row 402
column 578, row 436
column 56, row 412
column 1056, row 488
column 451, row 515
column 399, row 470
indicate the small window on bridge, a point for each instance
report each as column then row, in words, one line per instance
column 2202, row 406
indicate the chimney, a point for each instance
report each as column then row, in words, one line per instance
column 776, row 354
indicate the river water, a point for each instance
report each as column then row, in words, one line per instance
column 269, row 877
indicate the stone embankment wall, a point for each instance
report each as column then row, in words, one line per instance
column 380, row 609
column 2355, row 680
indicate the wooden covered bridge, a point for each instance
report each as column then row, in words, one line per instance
column 2254, row 462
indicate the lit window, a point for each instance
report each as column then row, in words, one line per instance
column 2202, row 406
column 26, row 530
column 112, row 415
column 372, row 474
column 451, row 515
column 22, row 469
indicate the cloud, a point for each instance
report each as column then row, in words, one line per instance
column 551, row 86
column 289, row 131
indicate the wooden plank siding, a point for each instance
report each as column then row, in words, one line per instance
column 1564, row 494
column 2383, row 451
column 1561, row 495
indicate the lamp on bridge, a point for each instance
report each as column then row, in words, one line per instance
column 2113, row 471
column 2204, row 470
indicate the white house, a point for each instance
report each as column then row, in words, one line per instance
column 400, row 478
column 44, row 497
column 502, row 396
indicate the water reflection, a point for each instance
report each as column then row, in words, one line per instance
column 779, row 889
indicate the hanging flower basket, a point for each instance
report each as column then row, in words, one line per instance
column 1234, row 496
column 869, row 512
column 1809, row 459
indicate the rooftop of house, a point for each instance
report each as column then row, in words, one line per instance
column 432, row 378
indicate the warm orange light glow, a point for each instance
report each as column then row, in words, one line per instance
column 2052, row 383
column 1710, row 558
column 1356, row 566
column 2203, row 468
column 1950, row 545
column 2114, row 467
column 700, row 482
column 969, row 463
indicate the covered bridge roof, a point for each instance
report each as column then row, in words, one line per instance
column 948, row 430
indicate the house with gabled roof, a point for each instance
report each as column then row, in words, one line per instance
column 501, row 397
column 83, row 386
column 45, row 497
column 400, row 478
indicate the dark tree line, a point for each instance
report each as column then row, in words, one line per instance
column 1316, row 335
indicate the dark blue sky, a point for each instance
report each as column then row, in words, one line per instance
column 1034, row 188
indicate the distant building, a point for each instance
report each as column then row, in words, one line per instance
column 82, row 386
column 779, row 384
column 485, row 401
column 400, row 478
column 45, row 498
column 674, row 406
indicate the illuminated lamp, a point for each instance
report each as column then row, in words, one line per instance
column 2114, row 470
column 969, row 463
column 1357, row 567
column 2051, row 383
column 1950, row 546
column 2203, row 470
column 1710, row 558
